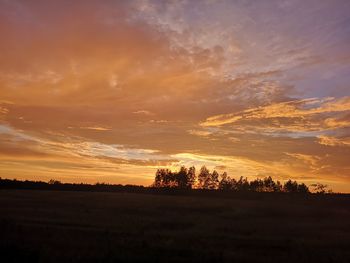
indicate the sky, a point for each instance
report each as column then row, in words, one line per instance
column 109, row 91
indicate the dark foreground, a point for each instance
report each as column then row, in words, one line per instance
column 54, row 226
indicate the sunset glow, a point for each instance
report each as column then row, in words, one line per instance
column 109, row 91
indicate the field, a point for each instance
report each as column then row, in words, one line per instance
column 67, row 226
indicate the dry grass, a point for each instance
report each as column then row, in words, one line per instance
column 53, row 226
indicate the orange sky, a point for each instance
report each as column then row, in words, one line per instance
column 108, row 91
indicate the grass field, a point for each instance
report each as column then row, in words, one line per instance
column 55, row 226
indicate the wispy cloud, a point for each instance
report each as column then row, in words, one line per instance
column 306, row 115
column 333, row 141
column 96, row 128
column 143, row 112
column 290, row 109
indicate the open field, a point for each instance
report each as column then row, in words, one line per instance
column 56, row 226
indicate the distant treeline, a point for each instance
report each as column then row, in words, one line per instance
column 186, row 178
column 184, row 181
column 57, row 185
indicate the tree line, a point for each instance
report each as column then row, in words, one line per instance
column 186, row 178
column 182, row 181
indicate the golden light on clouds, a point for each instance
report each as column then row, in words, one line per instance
column 93, row 91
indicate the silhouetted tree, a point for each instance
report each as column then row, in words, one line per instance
column 214, row 180
column 191, row 177
column 320, row 188
column 54, row 182
column 278, row 187
column 242, row 184
column 203, row 178
column 257, row 185
column 223, row 184
column 293, row 187
column 207, row 180
column 269, row 184
column 226, row 182
column 290, row 187
column 181, row 177
column 164, row 178
column 158, row 179
column 303, row 189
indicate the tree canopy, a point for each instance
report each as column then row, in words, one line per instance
column 186, row 178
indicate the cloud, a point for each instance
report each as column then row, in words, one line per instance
column 337, row 123
column 290, row 109
column 220, row 120
column 16, row 143
column 199, row 133
column 96, row 128
column 311, row 160
column 294, row 116
column 143, row 112
column 333, row 141
column 3, row 112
